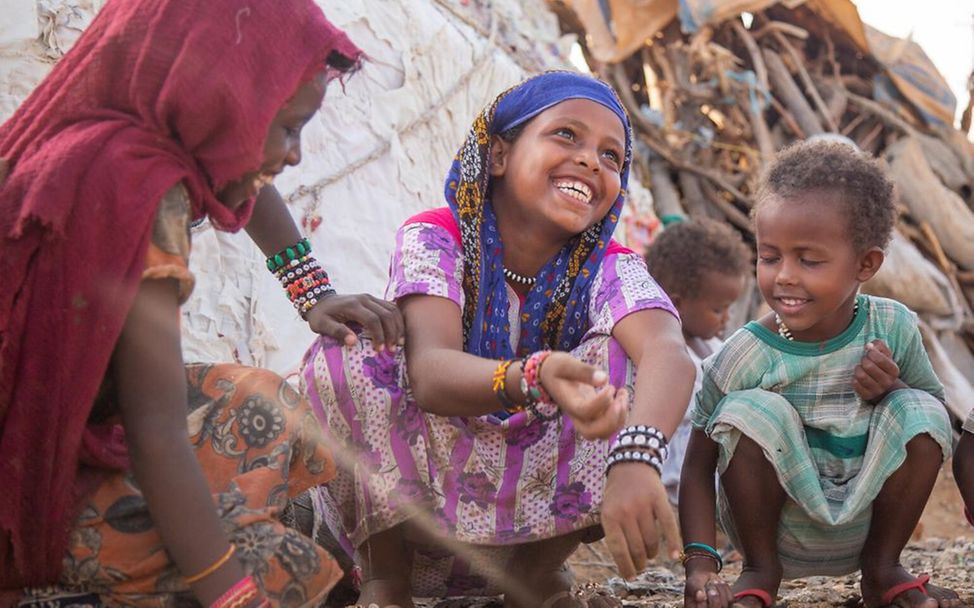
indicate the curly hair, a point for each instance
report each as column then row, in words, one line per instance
column 858, row 181
column 684, row 252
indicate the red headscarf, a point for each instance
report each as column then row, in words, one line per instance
column 154, row 92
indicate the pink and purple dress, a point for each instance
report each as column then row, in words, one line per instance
column 482, row 480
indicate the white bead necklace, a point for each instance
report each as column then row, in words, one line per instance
column 785, row 333
column 519, row 278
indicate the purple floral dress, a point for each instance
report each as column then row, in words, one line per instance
column 484, row 481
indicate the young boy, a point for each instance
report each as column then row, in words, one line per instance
column 702, row 265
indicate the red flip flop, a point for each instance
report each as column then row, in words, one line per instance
column 766, row 600
column 919, row 583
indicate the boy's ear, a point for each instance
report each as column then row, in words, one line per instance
column 499, row 152
column 869, row 263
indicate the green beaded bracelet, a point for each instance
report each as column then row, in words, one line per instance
column 288, row 254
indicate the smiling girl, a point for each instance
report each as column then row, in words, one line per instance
column 482, row 467
column 824, row 418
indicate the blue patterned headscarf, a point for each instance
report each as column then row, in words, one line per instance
column 555, row 313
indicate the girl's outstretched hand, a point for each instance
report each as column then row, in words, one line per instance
column 583, row 393
column 705, row 588
column 634, row 512
column 381, row 319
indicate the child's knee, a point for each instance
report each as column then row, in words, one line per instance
column 964, row 457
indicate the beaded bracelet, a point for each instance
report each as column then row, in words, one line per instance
column 302, row 277
column 531, row 378
column 649, row 458
column 706, row 549
column 685, row 557
column 499, row 385
column 288, row 254
column 644, row 437
column 534, row 393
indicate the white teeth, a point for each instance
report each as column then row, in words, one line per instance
column 575, row 189
column 791, row 301
column 264, row 179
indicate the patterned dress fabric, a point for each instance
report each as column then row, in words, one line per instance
column 832, row 451
column 484, row 481
column 258, row 444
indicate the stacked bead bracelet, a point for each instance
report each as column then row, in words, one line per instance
column 302, row 277
column 534, row 393
column 639, row 443
column 499, row 384
column 701, row 550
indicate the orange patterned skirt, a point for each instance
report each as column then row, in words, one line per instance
column 258, row 444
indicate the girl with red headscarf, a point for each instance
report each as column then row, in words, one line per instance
column 164, row 112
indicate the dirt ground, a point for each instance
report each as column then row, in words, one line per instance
column 942, row 546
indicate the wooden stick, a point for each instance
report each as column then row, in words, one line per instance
column 867, row 142
column 773, row 27
column 790, row 94
column 666, row 198
column 733, row 214
column 942, row 260
column 651, row 137
column 810, row 88
column 789, row 120
column 759, row 127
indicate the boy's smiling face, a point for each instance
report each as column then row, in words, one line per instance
column 808, row 269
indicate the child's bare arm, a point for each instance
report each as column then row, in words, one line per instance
column 151, row 382
column 698, row 522
column 449, row 382
column 636, row 509
column 272, row 228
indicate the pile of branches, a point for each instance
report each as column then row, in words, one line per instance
column 711, row 109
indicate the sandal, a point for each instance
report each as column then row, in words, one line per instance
column 766, row 600
column 919, row 583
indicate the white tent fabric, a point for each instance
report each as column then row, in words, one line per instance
column 375, row 154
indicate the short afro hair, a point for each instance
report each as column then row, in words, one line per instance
column 858, row 182
column 684, row 252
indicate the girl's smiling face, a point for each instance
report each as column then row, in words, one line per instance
column 807, row 269
column 564, row 168
column 283, row 144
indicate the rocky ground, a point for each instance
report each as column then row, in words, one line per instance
column 942, row 546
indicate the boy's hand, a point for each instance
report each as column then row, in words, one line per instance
column 705, row 588
column 584, row 394
column 634, row 512
column 877, row 374
column 381, row 319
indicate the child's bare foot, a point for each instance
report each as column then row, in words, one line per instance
column 751, row 579
column 385, row 593
column 877, row 583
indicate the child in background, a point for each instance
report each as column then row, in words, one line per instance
column 824, row 417
column 702, row 265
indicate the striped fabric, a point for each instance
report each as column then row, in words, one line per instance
column 832, row 451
